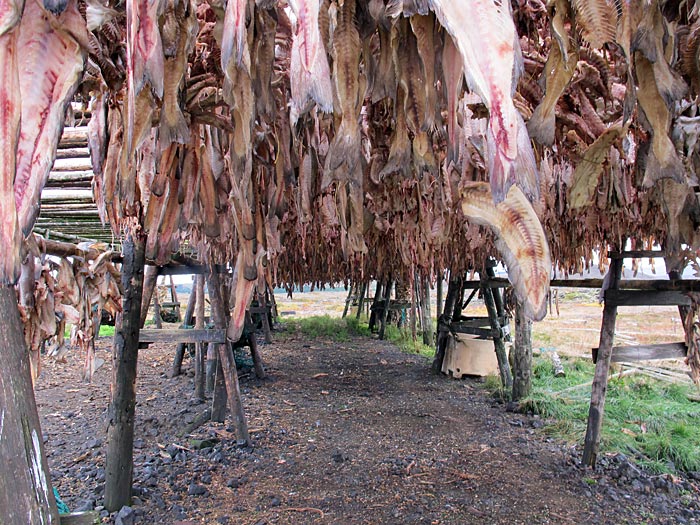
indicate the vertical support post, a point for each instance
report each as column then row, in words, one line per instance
column 265, row 318
column 375, row 305
column 458, row 299
column 149, row 284
column 425, row 310
column 180, row 352
column 385, row 311
column 26, row 495
column 348, row 299
column 227, row 362
column 438, row 292
column 413, row 316
column 602, row 367
column 199, row 352
column 499, row 345
column 522, row 355
column 361, row 302
column 157, row 319
column 254, row 352
column 119, row 461
column 453, row 286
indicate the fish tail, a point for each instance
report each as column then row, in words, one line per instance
column 655, row 170
column 344, row 151
column 525, row 173
column 500, row 169
column 321, row 88
column 541, row 126
column 173, row 127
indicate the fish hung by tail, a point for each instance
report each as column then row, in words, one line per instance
column 520, row 240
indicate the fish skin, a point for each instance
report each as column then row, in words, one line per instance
column 423, row 28
column 385, row 78
column 520, row 239
column 234, row 44
column 557, row 73
column 264, row 56
column 10, row 111
column 453, row 71
column 310, row 74
column 49, row 73
column 173, row 124
column 399, row 160
column 410, row 77
column 10, row 14
column 662, row 161
column 485, row 35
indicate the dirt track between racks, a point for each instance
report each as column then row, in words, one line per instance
column 343, row 433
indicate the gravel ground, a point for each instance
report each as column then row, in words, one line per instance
column 343, row 433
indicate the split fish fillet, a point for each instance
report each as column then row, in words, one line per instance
column 10, row 110
column 520, row 239
column 49, row 72
column 486, row 37
column 310, row 74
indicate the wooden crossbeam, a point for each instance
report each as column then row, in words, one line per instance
column 189, row 269
column 646, row 298
column 622, row 354
column 183, row 336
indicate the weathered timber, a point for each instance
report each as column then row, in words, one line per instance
column 459, row 301
column 427, row 320
column 157, row 319
column 64, row 249
column 438, row 292
column 361, row 302
column 181, row 347
column 73, row 137
column 258, row 365
column 119, row 461
column 183, row 335
column 600, row 378
column 499, row 345
column 645, row 298
column 265, row 317
column 444, row 334
column 373, row 312
column 72, row 153
column 149, row 285
column 385, row 311
column 682, row 285
column 635, row 254
column 200, row 372
column 226, row 361
column 57, row 177
column 89, row 517
column 622, row 354
column 26, row 495
column 72, row 164
column 190, row 269
column 348, row 299
column 521, row 354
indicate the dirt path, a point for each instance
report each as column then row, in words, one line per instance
column 344, row 433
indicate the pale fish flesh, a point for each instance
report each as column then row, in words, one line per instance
column 485, row 35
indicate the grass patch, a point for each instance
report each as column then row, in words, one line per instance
column 106, row 331
column 402, row 338
column 650, row 420
column 326, row 327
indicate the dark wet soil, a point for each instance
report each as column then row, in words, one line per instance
column 343, row 433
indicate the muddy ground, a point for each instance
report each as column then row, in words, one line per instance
column 343, row 433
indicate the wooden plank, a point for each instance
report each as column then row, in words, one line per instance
column 90, row 517
column 183, row 336
column 636, row 254
column 646, row 352
column 646, row 298
column 186, row 269
column 487, row 333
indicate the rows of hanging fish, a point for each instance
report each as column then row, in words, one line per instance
column 58, row 292
column 313, row 140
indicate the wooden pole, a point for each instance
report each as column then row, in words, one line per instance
column 228, row 364
column 458, row 299
column 453, row 287
column 499, row 345
column 385, row 310
column 149, row 284
column 265, row 319
column 438, row 309
column 361, row 302
column 200, row 372
column 413, row 317
column 26, row 495
column 375, row 303
column 180, row 352
column 348, row 299
column 522, row 355
column 157, row 319
column 425, row 310
column 600, row 378
column 119, row 461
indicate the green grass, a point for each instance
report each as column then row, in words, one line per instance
column 402, row 338
column 106, row 331
column 649, row 420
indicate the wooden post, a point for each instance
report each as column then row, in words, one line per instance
column 255, row 354
column 227, row 362
column 453, row 287
column 499, row 345
column 26, row 495
column 385, row 311
column 265, row 319
column 181, row 347
column 458, row 299
column 26, row 286
column 149, row 284
column 522, row 355
column 200, row 356
column 375, row 303
column 173, row 298
column 361, row 302
column 157, row 319
column 413, row 316
column 600, row 378
column 438, row 309
column 348, row 299
column 427, row 321
column 119, row 461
